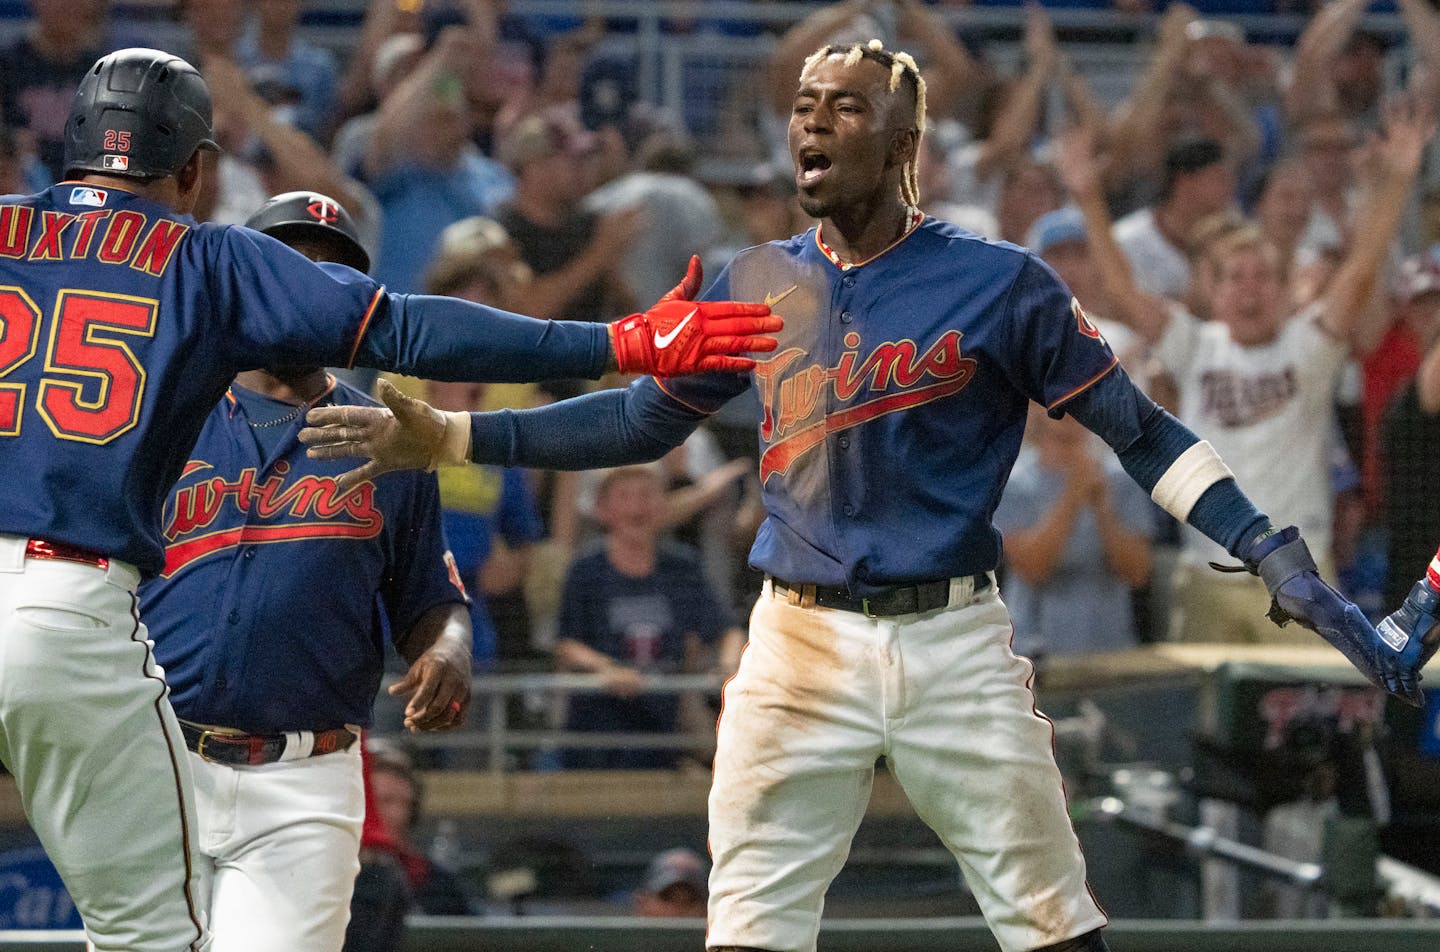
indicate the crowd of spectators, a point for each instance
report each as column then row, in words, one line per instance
column 1253, row 227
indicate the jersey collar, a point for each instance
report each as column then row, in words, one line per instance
column 329, row 389
column 913, row 218
column 74, row 182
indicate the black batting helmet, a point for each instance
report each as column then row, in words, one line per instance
column 139, row 113
column 295, row 215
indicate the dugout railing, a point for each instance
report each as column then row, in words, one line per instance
column 492, row 736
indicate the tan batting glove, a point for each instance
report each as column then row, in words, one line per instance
column 406, row 433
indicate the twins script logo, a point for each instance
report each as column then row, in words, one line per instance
column 308, row 507
column 894, row 376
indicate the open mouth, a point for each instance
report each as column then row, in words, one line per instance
column 812, row 167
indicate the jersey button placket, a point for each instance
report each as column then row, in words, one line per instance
column 849, row 338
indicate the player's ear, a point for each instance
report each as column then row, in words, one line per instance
column 187, row 182
column 903, row 143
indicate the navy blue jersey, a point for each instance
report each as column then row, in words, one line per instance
column 893, row 409
column 122, row 323
column 271, row 609
column 641, row 622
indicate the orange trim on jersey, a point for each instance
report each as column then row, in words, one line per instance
column 689, row 406
column 916, row 216
column 364, row 326
column 1114, row 362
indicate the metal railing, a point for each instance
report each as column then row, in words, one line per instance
column 489, row 727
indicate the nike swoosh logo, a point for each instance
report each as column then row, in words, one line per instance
column 665, row 340
column 773, row 299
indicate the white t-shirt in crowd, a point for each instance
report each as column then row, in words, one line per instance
column 1269, row 412
column 1159, row 266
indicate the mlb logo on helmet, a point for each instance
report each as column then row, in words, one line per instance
column 116, row 163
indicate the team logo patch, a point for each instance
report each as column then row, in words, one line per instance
column 325, row 212
column 116, row 163
column 85, row 195
column 893, row 376
column 1087, row 327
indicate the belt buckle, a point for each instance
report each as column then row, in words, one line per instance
column 200, row 745
column 865, row 608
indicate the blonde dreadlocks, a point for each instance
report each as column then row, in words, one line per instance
column 901, row 66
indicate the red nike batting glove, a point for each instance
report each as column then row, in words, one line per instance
column 681, row 336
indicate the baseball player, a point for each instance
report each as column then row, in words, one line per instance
column 272, row 675
column 122, row 323
column 892, row 413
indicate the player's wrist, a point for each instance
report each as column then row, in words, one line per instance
column 454, row 449
column 628, row 337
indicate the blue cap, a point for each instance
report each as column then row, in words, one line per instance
column 1055, row 228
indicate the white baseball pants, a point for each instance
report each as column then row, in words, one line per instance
column 820, row 695
column 279, row 851
column 87, row 730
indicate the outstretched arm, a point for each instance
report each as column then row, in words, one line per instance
column 1186, row 478
column 609, row 428
column 638, row 424
column 1136, row 142
column 1015, row 126
column 1143, row 312
column 800, row 41
column 1395, row 161
column 443, row 338
column 1312, row 88
column 951, row 73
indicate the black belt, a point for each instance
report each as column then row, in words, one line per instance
column 900, row 600
column 251, row 750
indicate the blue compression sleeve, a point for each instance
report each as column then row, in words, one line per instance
column 609, row 428
column 1227, row 515
column 443, row 338
column 1148, row 441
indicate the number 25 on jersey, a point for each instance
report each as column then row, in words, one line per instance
column 82, row 352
